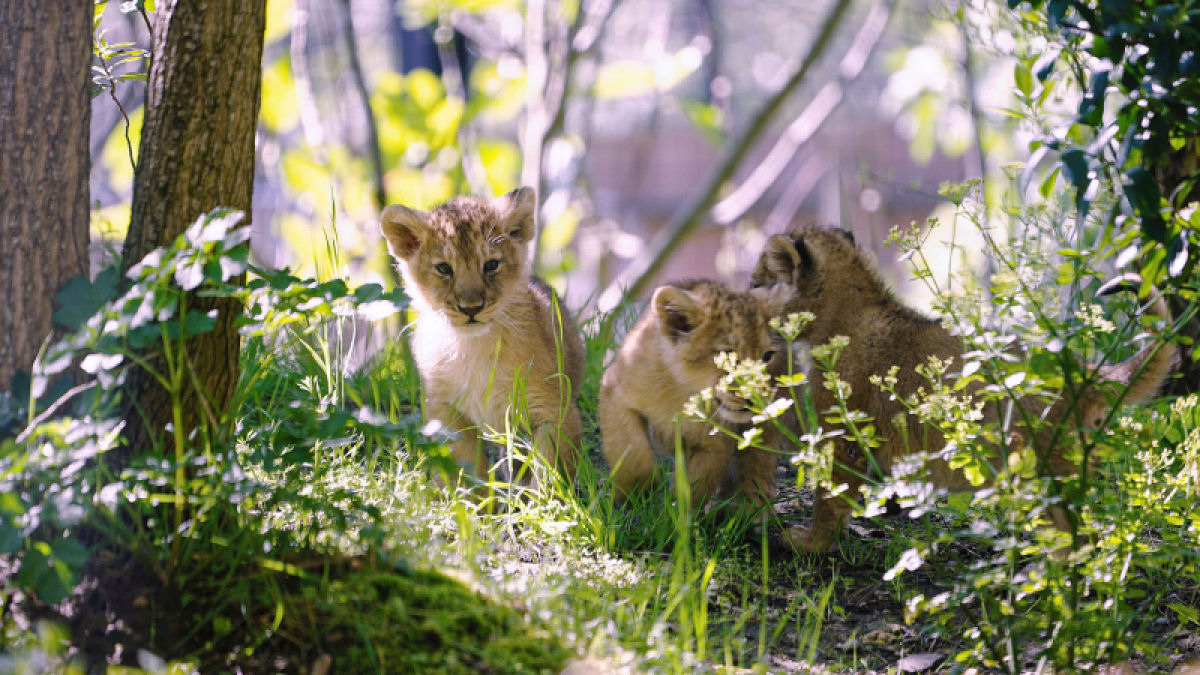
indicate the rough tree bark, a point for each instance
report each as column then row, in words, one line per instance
column 45, row 110
column 197, row 154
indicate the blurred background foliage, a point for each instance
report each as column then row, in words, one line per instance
column 617, row 110
column 670, row 138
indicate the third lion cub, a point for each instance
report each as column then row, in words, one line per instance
column 834, row 280
column 668, row 357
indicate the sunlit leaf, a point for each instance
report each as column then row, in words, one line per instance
column 708, row 119
column 1023, row 78
column 501, row 162
column 280, row 109
column 190, row 274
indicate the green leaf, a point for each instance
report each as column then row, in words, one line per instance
column 190, row 275
column 1143, row 194
column 71, row 552
column 10, row 536
column 11, row 504
column 1177, row 255
column 708, row 119
column 1066, row 273
column 195, row 323
column 1091, row 107
column 55, row 582
column 1185, row 613
column 80, row 298
column 1077, row 170
column 1023, row 78
column 367, row 292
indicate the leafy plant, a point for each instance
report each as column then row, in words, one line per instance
column 1136, row 124
column 196, row 514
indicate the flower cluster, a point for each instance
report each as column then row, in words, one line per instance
column 792, row 325
column 747, row 379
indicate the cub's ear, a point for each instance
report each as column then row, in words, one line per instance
column 774, row 298
column 517, row 210
column 781, row 259
column 404, row 229
column 677, row 311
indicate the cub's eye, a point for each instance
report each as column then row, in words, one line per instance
column 444, row 269
column 491, row 266
column 766, row 358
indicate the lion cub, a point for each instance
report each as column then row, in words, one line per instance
column 486, row 328
column 667, row 358
column 835, row 281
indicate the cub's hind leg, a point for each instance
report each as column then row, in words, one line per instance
column 830, row 512
column 627, row 447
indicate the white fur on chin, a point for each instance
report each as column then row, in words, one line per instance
column 473, row 329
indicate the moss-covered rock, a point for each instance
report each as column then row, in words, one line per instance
column 423, row 621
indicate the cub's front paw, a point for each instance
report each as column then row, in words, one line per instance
column 808, row 540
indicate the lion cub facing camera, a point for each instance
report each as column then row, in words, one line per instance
column 667, row 358
column 486, row 328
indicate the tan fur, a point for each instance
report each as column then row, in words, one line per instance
column 480, row 329
column 667, row 358
column 836, row 282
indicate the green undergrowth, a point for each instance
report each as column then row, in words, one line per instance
column 313, row 527
column 311, row 524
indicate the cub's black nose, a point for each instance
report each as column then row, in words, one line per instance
column 471, row 310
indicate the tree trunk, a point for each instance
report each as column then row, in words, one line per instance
column 45, row 110
column 197, row 154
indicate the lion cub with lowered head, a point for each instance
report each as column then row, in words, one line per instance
column 483, row 321
column 835, row 281
column 668, row 357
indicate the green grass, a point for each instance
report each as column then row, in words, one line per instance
column 652, row 582
column 320, row 532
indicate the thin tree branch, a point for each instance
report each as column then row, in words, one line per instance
column 805, row 179
column 452, row 80
column 374, row 152
column 582, row 37
column 807, row 123
column 149, row 32
column 53, row 408
column 536, row 72
column 780, row 156
column 635, row 277
column 112, row 92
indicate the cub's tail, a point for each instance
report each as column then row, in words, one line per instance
column 1144, row 372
